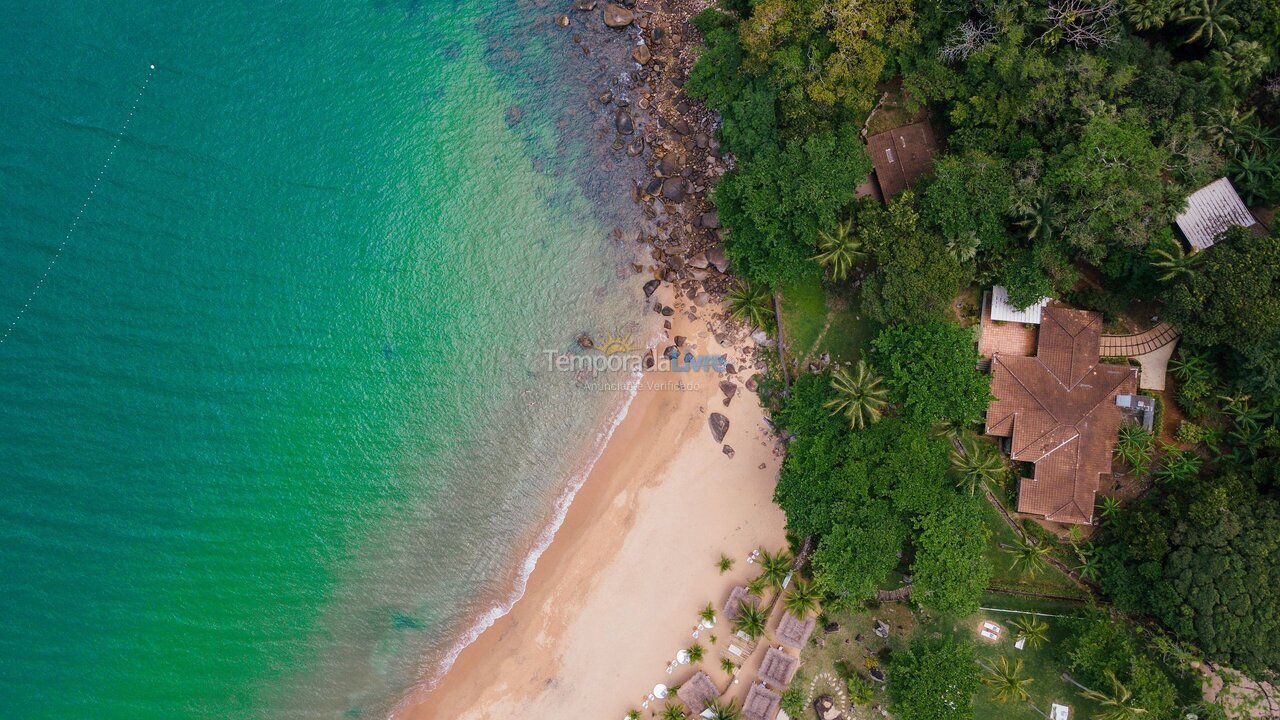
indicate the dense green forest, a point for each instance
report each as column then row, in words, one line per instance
column 1074, row 130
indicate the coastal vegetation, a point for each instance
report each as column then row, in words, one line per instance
column 1075, row 130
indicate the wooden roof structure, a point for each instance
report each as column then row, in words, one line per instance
column 902, row 155
column 777, row 667
column 761, row 703
column 738, row 595
column 696, row 692
column 794, row 632
column 1058, row 408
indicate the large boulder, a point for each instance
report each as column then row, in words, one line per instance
column 642, row 55
column 719, row 426
column 624, row 123
column 715, row 256
column 710, row 220
column 616, row 16
column 673, row 189
column 650, row 286
column 669, row 165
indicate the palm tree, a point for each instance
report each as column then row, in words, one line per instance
column 1173, row 262
column 1135, row 447
column 1029, row 556
column 1007, row 679
column 674, row 711
column 1035, row 218
column 757, row 585
column 721, row 711
column 750, row 620
column 725, row 563
column 1212, row 23
column 840, row 250
column 858, row 395
column 633, row 715
column 976, row 465
column 695, row 652
column 1118, row 704
column 1088, row 568
column 1033, row 630
column 1238, row 408
column 1189, row 367
column 774, row 568
column 1255, row 173
column 1178, row 466
column 964, row 247
column 802, row 599
column 727, row 666
column 708, row 615
column 751, row 304
column 1110, row 507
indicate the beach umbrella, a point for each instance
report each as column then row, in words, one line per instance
column 659, row 691
column 682, row 657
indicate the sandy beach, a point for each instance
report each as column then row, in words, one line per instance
column 619, row 590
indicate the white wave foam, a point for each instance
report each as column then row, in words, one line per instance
column 545, row 537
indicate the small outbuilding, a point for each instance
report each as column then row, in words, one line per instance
column 1210, row 211
column 737, row 596
column 697, row 692
column 901, row 155
column 761, row 703
column 794, row 632
column 778, row 667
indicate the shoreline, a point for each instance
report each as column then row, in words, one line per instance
column 628, row 522
column 680, row 238
column 522, row 573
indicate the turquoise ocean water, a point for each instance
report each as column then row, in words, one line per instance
column 275, row 430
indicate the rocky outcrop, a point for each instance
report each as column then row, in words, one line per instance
column 719, row 426
column 616, row 16
column 623, row 122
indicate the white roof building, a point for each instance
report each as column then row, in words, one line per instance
column 1002, row 311
column 1210, row 211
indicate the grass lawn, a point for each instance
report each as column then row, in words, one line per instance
column 814, row 322
column 1047, row 582
column 1039, row 664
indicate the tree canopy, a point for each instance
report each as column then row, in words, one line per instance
column 931, row 371
column 933, row 680
column 854, row 558
column 1231, row 303
column 951, row 567
column 915, row 276
column 1205, row 561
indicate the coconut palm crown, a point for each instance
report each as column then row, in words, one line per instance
column 859, row 395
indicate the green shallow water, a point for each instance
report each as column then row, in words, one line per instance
column 276, row 428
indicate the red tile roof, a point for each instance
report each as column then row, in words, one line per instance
column 1059, row 410
column 901, row 155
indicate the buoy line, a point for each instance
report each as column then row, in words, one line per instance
column 75, row 222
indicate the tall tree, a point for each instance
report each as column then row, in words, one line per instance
column 976, row 465
column 749, row 620
column 931, row 371
column 933, row 680
column 1117, row 701
column 1007, row 681
column 951, row 567
column 840, row 250
column 859, row 394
